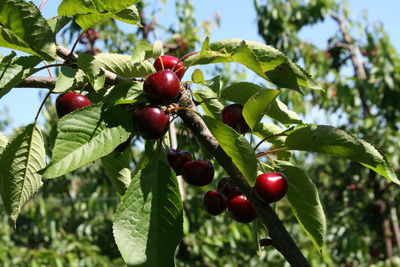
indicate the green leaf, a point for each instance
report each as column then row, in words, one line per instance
column 123, row 65
column 148, row 222
column 280, row 112
column 3, row 143
column 86, row 135
column 240, row 92
column 198, row 77
column 257, row 104
column 14, row 72
column 264, row 130
column 335, row 142
column 20, row 162
column 117, row 168
column 124, row 93
column 264, row 60
column 91, row 68
column 211, row 107
column 236, row 146
column 305, row 203
column 65, row 79
column 58, row 23
column 22, row 27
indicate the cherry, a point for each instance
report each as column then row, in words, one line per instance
column 198, row 172
column 177, row 158
column 161, row 87
column 167, row 63
column 233, row 117
column 271, row 187
column 151, row 122
column 227, row 187
column 241, row 209
column 214, row 203
column 70, row 101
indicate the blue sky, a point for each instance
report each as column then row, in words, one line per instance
column 237, row 21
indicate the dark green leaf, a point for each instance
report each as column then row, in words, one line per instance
column 124, row 93
column 65, row 79
column 91, row 67
column 240, row 92
column 335, row 142
column 236, row 146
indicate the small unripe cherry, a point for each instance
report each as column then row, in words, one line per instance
column 241, row 209
column 161, row 87
column 271, row 187
column 151, row 122
column 233, row 117
column 70, row 101
column 177, row 158
column 166, row 62
column 198, row 172
column 214, row 203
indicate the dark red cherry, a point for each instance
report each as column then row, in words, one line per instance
column 151, row 122
column 198, row 172
column 167, row 63
column 70, row 101
column 214, row 203
column 232, row 116
column 177, row 158
column 161, row 87
column 241, row 209
column 227, row 187
column 271, row 187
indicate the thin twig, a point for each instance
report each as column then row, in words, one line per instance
column 42, row 4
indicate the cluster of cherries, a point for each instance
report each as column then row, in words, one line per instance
column 152, row 122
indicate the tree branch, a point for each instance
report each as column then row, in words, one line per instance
column 358, row 66
column 37, row 82
column 282, row 241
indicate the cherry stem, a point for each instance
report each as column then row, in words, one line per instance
column 266, row 242
column 75, row 44
column 270, row 152
column 181, row 59
column 42, row 5
column 42, row 104
column 49, row 66
column 271, row 136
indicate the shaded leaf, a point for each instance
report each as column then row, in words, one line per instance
column 88, row 64
column 65, row 79
column 240, row 92
column 20, row 162
column 236, row 146
column 280, row 112
column 3, row 143
column 125, row 93
column 117, row 168
column 335, row 142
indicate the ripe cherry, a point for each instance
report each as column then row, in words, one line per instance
column 177, row 158
column 168, row 63
column 70, row 101
column 161, row 87
column 198, row 172
column 271, row 187
column 232, row 116
column 227, row 187
column 241, row 209
column 214, row 203
column 151, row 122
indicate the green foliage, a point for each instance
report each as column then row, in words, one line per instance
column 148, row 222
column 117, row 167
column 20, row 162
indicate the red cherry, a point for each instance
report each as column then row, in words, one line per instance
column 233, row 117
column 214, row 203
column 226, row 187
column 177, row 158
column 151, row 122
column 241, row 209
column 161, row 87
column 271, row 187
column 70, row 101
column 198, row 172
column 167, row 63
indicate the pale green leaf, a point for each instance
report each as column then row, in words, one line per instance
column 305, row 203
column 3, row 143
column 58, row 23
column 123, row 65
column 273, row 133
column 86, row 135
column 89, row 65
column 257, row 104
column 148, row 222
column 22, row 27
column 280, row 112
column 236, row 146
column 209, row 102
column 335, row 142
column 198, row 77
column 117, row 168
column 125, row 93
column 20, row 162
column 65, row 79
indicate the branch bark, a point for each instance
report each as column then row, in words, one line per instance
column 282, row 241
column 358, row 66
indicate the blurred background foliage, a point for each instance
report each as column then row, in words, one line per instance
column 69, row 222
